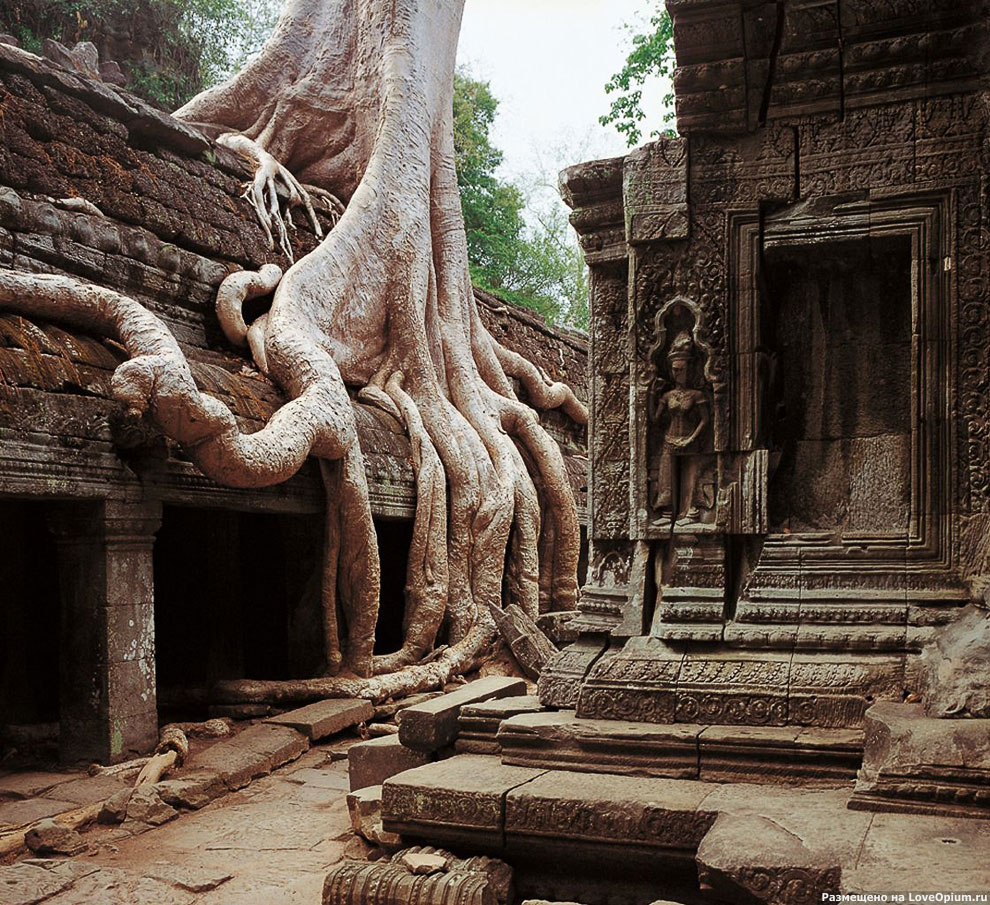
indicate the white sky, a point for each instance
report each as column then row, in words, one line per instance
column 548, row 62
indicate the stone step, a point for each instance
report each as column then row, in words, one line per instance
column 432, row 725
column 761, row 754
column 477, row 726
column 743, row 840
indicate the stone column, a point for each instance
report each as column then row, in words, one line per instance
column 107, row 651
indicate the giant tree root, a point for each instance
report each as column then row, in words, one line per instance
column 355, row 97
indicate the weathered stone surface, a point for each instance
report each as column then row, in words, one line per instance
column 563, row 811
column 423, row 863
column 114, row 809
column 531, row 648
column 750, row 856
column 561, row 741
column 478, row 723
column 30, row 882
column 556, row 626
column 235, row 765
column 90, row 789
column 784, row 754
column 956, row 668
column 30, row 783
column 918, row 764
column 47, row 837
column 191, row 790
column 189, row 878
column 18, row 813
column 389, row 883
column 459, row 800
column 146, row 806
column 432, row 725
column 325, row 718
column 365, row 809
column 370, row 763
column 280, row 744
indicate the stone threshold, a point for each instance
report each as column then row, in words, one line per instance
column 757, row 754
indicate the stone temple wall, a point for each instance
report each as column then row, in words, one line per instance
column 97, row 184
column 789, row 360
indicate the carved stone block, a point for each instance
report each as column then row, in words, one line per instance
column 561, row 680
column 924, row 765
column 655, row 191
column 478, row 724
column 453, row 801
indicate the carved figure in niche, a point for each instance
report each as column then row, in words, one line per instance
column 680, row 412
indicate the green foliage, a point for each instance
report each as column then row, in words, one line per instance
column 652, row 55
column 168, row 49
column 533, row 266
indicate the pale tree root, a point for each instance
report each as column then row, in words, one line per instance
column 262, row 192
column 234, row 291
column 543, row 392
column 156, row 379
column 170, row 753
column 425, row 676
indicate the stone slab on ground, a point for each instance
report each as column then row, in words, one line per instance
column 191, row 790
column 30, row 783
column 924, row 765
column 19, row 813
column 563, row 811
column 279, row 744
column 36, row 880
column 89, row 789
column 325, row 718
column 561, row 741
column 477, row 725
column 432, row 725
column 455, row 801
column 370, row 763
column 252, row 753
column 321, row 779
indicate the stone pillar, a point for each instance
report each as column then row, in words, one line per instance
column 107, row 671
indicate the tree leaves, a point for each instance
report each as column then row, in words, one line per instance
column 652, row 54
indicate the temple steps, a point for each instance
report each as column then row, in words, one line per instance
column 790, row 755
column 683, row 839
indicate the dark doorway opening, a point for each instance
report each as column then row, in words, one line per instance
column 29, row 624
column 394, row 538
column 236, row 596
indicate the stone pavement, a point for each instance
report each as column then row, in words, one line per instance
column 269, row 843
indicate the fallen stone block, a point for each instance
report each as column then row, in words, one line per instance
column 432, row 725
column 325, row 718
column 193, row 791
column 370, row 763
column 458, row 801
column 752, row 858
column 189, row 879
column 280, row 744
column 531, row 648
column 235, row 766
column 47, row 837
column 475, row 881
column 114, row 809
column 556, row 626
column 365, row 809
column 917, row 764
column 146, row 806
column 478, row 724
